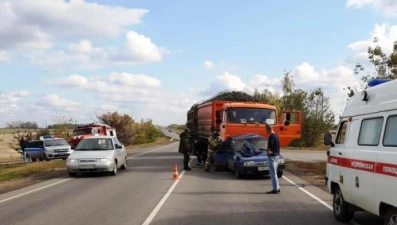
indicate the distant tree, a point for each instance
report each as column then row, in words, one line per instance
column 22, row 125
column 385, row 66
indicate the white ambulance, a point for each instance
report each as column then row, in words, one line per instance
column 362, row 160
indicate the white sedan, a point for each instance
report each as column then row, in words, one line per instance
column 97, row 154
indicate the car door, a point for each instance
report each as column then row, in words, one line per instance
column 338, row 170
column 117, row 151
column 290, row 131
column 363, row 162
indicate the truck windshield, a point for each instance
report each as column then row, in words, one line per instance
column 55, row 142
column 82, row 131
column 250, row 115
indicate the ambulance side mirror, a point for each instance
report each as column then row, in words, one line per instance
column 328, row 139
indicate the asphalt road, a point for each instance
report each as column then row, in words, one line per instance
column 146, row 194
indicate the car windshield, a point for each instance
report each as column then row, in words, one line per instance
column 96, row 144
column 83, row 131
column 55, row 142
column 258, row 142
column 250, row 115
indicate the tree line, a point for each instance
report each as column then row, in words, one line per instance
column 129, row 131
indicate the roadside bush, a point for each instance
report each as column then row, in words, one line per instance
column 131, row 132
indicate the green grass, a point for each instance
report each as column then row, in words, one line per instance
column 16, row 171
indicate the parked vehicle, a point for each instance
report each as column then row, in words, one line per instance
column 234, row 117
column 89, row 130
column 362, row 169
column 97, row 154
column 47, row 148
column 246, row 155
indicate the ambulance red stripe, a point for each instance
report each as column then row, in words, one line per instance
column 369, row 166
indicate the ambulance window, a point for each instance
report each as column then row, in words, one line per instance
column 389, row 138
column 340, row 139
column 370, row 131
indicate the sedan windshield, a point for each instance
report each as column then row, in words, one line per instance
column 97, row 144
column 56, row 142
column 260, row 143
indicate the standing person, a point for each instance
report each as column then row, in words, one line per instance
column 198, row 150
column 185, row 148
column 213, row 143
column 273, row 152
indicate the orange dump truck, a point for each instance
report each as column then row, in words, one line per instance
column 234, row 118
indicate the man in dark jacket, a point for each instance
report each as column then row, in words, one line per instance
column 185, row 148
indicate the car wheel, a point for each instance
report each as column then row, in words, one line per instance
column 341, row 208
column 124, row 166
column 114, row 172
column 280, row 174
column 391, row 217
column 237, row 172
column 72, row 174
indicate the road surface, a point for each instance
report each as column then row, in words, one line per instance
column 170, row 134
column 146, row 194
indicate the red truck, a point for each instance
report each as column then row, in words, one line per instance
column 92, row 129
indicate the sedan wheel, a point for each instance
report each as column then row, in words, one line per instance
column 237, row 172
column 124, row 166
column 114, row 172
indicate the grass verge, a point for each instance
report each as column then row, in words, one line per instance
column 312, row 172
column 15, row 171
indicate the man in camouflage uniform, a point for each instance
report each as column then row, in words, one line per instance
column 185, row 148
column 213, row 143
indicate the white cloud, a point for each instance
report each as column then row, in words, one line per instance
column 208, row 64
column 262, row 82
column 139, row 48
column 37, row 24
column 387, row 7
column 4, row 57
column 9, row 102
column 226, row 81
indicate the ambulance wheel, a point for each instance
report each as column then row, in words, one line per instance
column 391, row 217
column 341, row 208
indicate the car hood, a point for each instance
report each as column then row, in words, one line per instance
column 91, row 154
column 259, row 157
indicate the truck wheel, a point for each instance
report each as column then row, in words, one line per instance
column 391, row 217
column 237, row 172
column 341, row 208
column 280, row 174
column 72, row 174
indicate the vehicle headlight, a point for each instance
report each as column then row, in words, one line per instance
column 73, row 160
column 249, row 163
column 102, row 160
column 281, row 161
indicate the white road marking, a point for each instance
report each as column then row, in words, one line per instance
column 316, row 198
column 144, row 153
column 16, row 196
column 162, row 201
column 61, row 181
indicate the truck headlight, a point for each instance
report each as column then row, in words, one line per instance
column 102, row 160
column 249, row 163
column 73, row 160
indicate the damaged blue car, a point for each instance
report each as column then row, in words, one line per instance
column 246, row 155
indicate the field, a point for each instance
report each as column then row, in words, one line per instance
column 7, row 154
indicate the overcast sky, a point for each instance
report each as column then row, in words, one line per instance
column 154, row 59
